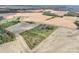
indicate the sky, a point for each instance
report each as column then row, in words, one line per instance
column 39, row 2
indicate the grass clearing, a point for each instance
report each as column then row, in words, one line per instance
column 14, row 21
column 36, row 35
column 9, row 23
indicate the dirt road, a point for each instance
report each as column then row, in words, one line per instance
column 64, row 40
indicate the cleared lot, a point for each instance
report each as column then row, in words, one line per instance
column 66, row 21
column 30, row 16
column 62, row 22
column 64, row 40
column 20, row 27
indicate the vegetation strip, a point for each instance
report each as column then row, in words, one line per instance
column 36, row 35
column 10, row 23
column 6, row 36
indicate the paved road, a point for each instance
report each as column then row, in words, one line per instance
column 20, row 27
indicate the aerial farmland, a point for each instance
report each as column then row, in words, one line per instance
column 39, row 29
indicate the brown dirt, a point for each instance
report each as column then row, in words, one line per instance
column 38, row 17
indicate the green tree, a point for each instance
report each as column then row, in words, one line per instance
column 48, row 13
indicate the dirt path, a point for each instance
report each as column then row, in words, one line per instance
column 17, row 46
column 12, row 47
column 23, row 43
column 60, row 42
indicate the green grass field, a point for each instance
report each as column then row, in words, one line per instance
column 36, row 35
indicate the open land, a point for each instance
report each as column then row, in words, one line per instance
column 34, row 33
